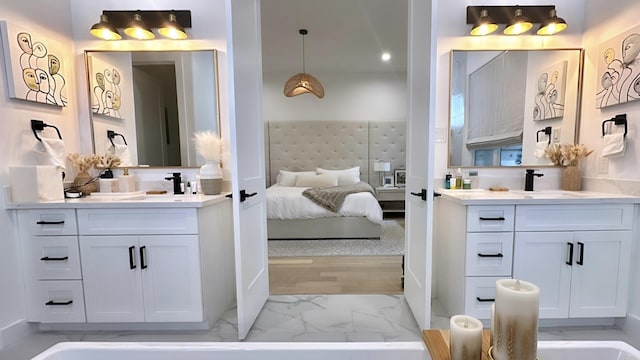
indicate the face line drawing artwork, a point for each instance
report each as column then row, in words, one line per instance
column 35, row 71
column 107, row 100
column 619, row 71
column 549, row 98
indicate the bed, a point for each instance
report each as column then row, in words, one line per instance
column 341, row 148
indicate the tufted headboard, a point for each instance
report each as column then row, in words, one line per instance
column 306, row 145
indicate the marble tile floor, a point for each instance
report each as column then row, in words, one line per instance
column 302, row 318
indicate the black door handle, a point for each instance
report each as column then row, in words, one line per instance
column 436, row 194
column 580, row 253
column 498, row 255
column 42, row 222
column 244, row 195
column 46, row 258
column 58, row 303
column 422, row 194
column 570, row 261
column 132, row 261
column 143, row 255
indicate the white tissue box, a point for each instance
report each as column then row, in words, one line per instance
column 35, row 183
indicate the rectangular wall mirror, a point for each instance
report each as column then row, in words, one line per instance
column 506, row 105
column 153, row 101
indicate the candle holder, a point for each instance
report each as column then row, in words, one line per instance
column 490, row 354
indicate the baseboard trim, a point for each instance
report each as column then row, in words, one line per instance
column 632, row 328
column 14, row 332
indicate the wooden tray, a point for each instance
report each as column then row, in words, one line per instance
column 437, row 342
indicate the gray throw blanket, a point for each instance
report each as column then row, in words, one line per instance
column 332, row 198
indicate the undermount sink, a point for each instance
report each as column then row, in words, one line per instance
column 549, row 194
column 586, row 350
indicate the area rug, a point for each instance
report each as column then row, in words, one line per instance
column 391, row 243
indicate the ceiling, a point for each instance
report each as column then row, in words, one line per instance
column 344, row 35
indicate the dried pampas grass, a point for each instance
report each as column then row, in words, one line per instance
column 567, row 154
column 208, row 145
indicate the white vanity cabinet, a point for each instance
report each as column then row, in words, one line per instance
column 579, row 257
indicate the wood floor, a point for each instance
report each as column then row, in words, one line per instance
column 335, row 275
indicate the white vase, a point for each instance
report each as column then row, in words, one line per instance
column 211, row 178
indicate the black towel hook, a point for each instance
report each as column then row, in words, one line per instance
column 40, row 125
column 620, row 119
column 547, row 131
column 112, row 134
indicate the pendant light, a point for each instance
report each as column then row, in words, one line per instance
column 105, row 30
column 519, row 25
column 302, row 82
column 485, row 25
column 552, row 25
column 138, row 30
column 172, row 30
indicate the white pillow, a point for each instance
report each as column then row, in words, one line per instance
column 345, row 177
column 288, row 178
column 316, row 180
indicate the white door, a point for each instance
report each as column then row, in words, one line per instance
column 170, row 267
column 247, row 162
column 599, row 281
column 544, row 258
column 419, row 219
column 111, row 278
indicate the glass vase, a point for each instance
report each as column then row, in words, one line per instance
column 571, row 178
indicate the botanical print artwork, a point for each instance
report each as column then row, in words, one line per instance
column 619, row 70
column 106, row 82
column 549, row 99
column 35, row 68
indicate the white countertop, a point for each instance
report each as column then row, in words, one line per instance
column 513, row 197
column 146, row 201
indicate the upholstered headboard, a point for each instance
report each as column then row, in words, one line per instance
column 306, row 145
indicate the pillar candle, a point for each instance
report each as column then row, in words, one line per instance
column 516, row 320
column 465, row 341
column 491, row 329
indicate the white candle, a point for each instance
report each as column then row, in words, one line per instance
column 515, row 320
column 491, row 330
column 465, row 341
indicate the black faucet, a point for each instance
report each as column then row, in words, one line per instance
column 177, row 181
column 528, row 179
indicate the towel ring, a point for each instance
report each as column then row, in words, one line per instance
column 620, row 119
column 112, row 134
column 547, row 131
column 40, row 125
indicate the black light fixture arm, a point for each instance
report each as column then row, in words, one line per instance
column 303, row 32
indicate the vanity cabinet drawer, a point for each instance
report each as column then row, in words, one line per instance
column 479, row 295
column 48, row 222
column 574, row 217
column 489, row 254
column 137, row 221
column 61, row 301
column 55, row 257
column 490, row 218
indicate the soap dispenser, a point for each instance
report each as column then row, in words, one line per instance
column 127, row 182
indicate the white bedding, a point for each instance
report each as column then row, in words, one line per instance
column 286, row 202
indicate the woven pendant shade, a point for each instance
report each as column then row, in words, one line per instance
column 301, row 83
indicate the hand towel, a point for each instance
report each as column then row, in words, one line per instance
column 51, row 152
column 122, row 152
column 613, row 145
column 541, row 146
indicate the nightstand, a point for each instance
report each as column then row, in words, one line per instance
column 391, row 200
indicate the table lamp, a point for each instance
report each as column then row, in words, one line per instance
column 382, row 167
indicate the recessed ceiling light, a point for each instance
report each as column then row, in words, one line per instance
column 386, row 56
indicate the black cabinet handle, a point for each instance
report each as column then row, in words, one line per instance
column 244, row 195
column 501, row 218
column 132, row 261
column 580, row 253
column 498, row 255
column 143, row 263
column 42, row 222
column 422, row 194
column 479, row 299
column 58, row 303
column 570, row 261
column 46, row 258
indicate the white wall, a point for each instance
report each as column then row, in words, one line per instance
column 53, row 20
column 348, row 96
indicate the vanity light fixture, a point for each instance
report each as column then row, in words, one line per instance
column 105, row 30
column 303, row 82
column 138, row 24
column 485, row 25
column 520, row 24
column 552, row 25
column 517, row 19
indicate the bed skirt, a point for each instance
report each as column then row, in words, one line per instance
column 355, row 227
